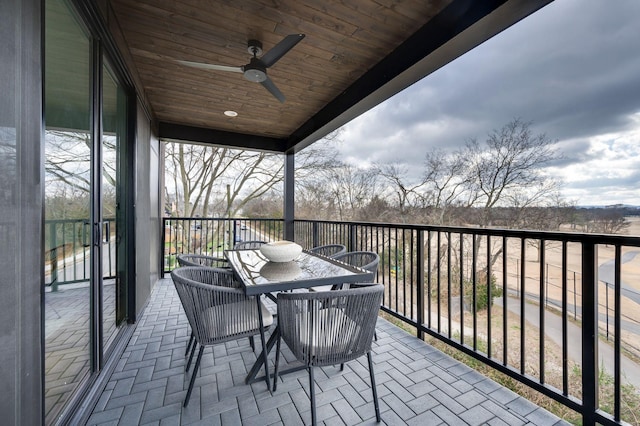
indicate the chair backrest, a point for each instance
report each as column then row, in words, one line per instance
column 216, row 313
column 248, row 245
column 201, row 260
column 329, row 327
column 329, row 250
column 366, row 260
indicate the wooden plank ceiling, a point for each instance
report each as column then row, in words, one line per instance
column 345, row 44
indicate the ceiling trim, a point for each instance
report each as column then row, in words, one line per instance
column 193, row 134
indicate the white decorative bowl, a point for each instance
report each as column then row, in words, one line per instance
column 281, row 251
column 280, row 271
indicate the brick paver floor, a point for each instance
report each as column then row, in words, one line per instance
column 417, row 384
column 67, row 339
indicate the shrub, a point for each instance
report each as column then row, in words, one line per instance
column 482, row 292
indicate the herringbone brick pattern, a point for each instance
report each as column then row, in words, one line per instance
column 417, row 385
column 67, row 339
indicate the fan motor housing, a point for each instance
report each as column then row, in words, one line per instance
column 255, row 71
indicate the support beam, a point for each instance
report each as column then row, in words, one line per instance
column 202, row 135
column 289, row 188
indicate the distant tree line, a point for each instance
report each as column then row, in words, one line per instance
column 499, row 182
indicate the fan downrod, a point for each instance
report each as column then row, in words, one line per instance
column 254, row 47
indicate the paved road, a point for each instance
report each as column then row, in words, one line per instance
column 606, row 274
column 553, row 329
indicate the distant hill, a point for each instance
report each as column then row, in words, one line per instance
column 611, row 206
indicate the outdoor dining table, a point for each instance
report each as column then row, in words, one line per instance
column 260, row 276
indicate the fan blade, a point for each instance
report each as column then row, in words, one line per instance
column 271, row 87
column 204, row 66
column 279, row 50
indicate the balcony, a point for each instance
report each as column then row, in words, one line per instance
column 552, row 292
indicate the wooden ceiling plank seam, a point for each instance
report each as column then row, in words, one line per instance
column 291, row 68
column 138, row 26
column 147, row 41
column 363, row 33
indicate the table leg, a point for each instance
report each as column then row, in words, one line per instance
column 265, row 352
column 262, row 358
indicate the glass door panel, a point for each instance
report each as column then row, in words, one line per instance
column 68, row 142
column 113, row 282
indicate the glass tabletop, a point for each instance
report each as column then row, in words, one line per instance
column 259, row 275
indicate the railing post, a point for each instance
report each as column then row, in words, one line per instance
column 315, row 235
column 53, row 256
column 352, row 237
column 589, row 333
column 163, row 247
column 420, row 278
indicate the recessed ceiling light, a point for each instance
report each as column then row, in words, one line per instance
column 231, row 113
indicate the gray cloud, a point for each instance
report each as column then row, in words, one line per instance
column 573, row 69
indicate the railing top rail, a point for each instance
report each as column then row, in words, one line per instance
column 223, row 218
column 77, row 220
column 580, row 237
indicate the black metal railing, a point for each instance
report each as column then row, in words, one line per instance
column 67, row 251
column 211, row 236
column 529, row 304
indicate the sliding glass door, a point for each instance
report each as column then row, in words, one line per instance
column 85, row 295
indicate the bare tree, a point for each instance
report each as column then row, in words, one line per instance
column 351, row 189
column 202, row 174
column 209, row 179
column 507, row 171
column 446, row 180
column 409, row 196
column 68, row 160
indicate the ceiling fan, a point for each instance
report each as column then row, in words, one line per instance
column 256, row 69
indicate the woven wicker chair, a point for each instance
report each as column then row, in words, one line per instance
column 224, row 280
column 329, row 328
column 218, row 313
column 366, row 260
column 248, row 245
column 329, row 250
column 202, row 260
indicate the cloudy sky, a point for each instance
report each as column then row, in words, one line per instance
column 572, row 68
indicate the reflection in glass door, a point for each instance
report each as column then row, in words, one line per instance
column 68, row 145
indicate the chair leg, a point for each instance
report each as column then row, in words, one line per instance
column 373, row 387
column 193, row 351
column 312, row 396
column 275, row 370
column 193, row 376
column 252, row 343
column 191, row 340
